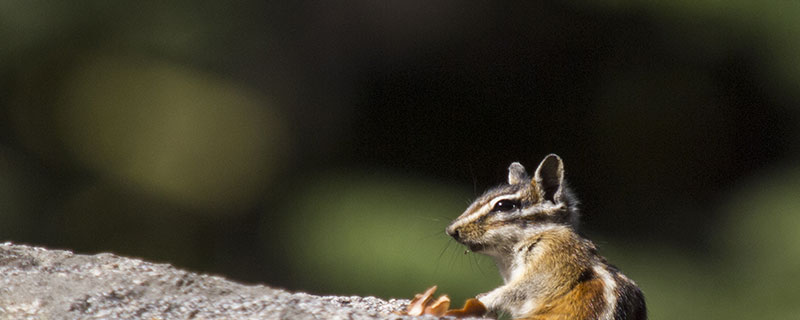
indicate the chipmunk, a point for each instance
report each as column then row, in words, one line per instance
column 549, row 271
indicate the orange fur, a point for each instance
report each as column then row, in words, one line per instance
column 584, row 302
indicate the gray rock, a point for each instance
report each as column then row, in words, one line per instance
column 38, row 283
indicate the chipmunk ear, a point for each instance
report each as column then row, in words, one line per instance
column 549, row 178
column 516, row 173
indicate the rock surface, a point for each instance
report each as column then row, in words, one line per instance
column 38, row 283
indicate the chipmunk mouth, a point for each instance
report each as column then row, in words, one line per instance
column 459, row 237
column 474, row 247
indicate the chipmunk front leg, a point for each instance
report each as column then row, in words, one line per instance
column 494, row 300
column 511, row 298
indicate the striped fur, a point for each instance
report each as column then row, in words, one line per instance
column 549, row 271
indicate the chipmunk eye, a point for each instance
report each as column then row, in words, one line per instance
column 505, row 205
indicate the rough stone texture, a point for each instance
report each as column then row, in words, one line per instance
column 38, row 283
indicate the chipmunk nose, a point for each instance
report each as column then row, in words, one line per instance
column 453, row 233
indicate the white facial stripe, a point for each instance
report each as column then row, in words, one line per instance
column 515, row 196
column 609, row 292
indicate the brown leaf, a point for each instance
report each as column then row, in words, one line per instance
column 472, row 308
column 438, row 307
column 417, row 306
column 423, row 304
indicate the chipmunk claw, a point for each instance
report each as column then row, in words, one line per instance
column 424, row 304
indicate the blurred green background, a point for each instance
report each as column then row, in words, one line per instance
column 323, row 147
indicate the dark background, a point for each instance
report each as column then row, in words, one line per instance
column 324, row 147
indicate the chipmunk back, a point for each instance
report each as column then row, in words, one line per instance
column 528, row 227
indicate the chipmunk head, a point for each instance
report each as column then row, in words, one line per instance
column 508, row 213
